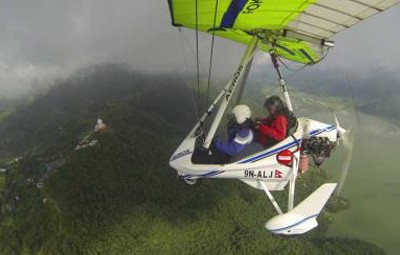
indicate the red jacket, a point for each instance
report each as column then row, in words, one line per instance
column 275, row 130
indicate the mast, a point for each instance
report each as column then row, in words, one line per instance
column 242, row 83
column 230, row 88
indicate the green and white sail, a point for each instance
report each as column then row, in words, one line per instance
column 299, row 28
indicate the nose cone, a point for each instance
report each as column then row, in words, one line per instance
column 291, row 224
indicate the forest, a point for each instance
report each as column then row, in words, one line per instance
column 119, row 196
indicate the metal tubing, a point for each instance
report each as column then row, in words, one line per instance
column 282, row 82
column 292, row 184
column 242, row 84
column 271, row 198
column 206, row 113
column 230, row 88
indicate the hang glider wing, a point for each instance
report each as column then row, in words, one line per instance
column 301, row 28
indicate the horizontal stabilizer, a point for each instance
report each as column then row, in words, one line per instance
column 303, row 217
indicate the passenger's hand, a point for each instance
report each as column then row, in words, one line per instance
column 257, row 124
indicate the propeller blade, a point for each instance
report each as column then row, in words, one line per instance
column 339, row 128
column 348, row 143
column 346, row 137
column 336, row 120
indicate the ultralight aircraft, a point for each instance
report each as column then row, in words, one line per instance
column 296, row 30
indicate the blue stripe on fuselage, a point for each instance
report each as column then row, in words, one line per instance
column 209, row 174
column 287, row 146
column 319, row 131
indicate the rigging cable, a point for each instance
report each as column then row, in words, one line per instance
column 193, row 99
column 290, row 68
column 197, row 50
column 324, row 55
column 211, row 52
column 186, row 40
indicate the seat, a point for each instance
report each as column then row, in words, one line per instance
column 250, row 149
column 292, row 123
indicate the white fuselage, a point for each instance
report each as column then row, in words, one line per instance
column 262, row 165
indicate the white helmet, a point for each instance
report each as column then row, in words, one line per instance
column 242, row 113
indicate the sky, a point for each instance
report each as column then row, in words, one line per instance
column 44, row 39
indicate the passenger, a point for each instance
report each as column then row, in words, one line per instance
column 240, row 133
column 273, row 128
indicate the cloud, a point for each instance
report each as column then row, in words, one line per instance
column 46, row 38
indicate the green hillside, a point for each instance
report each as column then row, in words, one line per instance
column 120, row 196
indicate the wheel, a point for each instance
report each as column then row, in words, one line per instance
column 190, row 181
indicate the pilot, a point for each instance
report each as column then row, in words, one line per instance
column 273, row 128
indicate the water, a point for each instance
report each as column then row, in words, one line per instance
column 372, row 186
column 373, row 183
